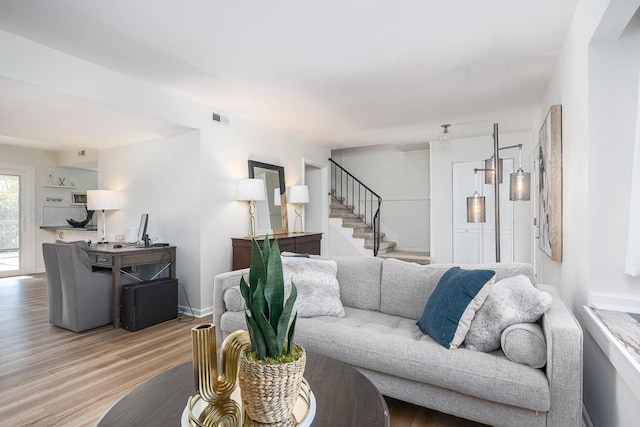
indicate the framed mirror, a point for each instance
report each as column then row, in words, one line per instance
column 271, row 213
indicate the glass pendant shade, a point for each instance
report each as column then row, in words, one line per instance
column 489, row 174
column 445, row 135
column 520, row 188
column 475, row 208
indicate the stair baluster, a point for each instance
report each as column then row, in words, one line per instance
column 340, row 191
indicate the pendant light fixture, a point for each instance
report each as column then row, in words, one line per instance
column 519, row 190
column 445, row 135
column 490, row 171
column 476, row 211
column 520, row 182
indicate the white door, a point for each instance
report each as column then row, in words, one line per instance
column 475, row 242
column 16, row 221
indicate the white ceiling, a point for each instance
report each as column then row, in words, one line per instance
column 339, row 72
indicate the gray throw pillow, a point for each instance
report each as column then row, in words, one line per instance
column 524, row 343
column 317, row 285
column 233, row 299
column 511, row 300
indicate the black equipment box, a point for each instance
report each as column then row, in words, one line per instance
column 145, row 304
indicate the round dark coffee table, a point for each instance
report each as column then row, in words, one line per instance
column 344, row 397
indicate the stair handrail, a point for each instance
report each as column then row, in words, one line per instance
column 374, row 219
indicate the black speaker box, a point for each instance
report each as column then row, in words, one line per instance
column 148, row 303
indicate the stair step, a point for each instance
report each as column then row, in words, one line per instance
column 354, row 224
column 408, row 256
column 367, row 234
column 340, row 208
column 343, row 213
column 385, row 246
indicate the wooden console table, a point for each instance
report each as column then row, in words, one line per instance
column 307, row 243
column 104, row 255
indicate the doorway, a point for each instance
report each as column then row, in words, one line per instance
column 316, row 212
column 16, row 229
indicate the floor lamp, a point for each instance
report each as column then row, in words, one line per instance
column 519, row 190
column 103, row 200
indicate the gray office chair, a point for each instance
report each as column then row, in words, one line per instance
column 79, row 298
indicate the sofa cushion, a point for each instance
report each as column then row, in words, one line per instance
column 317, row 286
column 395, row 346
column 359, row 279
column 406, row 287
column 453, row 304
column 503, row 270
column 525, row 343
column 511, row 300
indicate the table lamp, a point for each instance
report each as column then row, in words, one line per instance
column 250, row 190
column 103, row 200
column 298, row 194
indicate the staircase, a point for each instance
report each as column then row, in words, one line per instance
column 361, row 230
column 359, row 209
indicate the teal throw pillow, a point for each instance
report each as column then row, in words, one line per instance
column 453, row 304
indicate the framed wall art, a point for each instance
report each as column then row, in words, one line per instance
column 550, row 185
column 78, row 198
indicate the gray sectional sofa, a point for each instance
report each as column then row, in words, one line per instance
column 378, row 335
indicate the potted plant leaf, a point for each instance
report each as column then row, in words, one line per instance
column 271, row 369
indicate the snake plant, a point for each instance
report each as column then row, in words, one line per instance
column 267, row 313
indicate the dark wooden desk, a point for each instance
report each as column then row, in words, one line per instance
column 308, row 243
column 104, row 255
column 344, row 397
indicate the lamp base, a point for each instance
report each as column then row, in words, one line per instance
column 298, row 218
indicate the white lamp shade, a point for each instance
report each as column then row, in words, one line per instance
column 298, row 194
column 103, row 200
column 250, row 189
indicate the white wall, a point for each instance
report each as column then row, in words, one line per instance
column 186, row 183
column 401, row 178
column 468, row 150
column 160, row 178
column 224, row 152
column 44, row 163
column 596, row 82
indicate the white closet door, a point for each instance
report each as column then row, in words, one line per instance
column 475, row 242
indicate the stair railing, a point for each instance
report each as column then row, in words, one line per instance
column 357, row 197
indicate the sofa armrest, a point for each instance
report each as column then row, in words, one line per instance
column 221, row 283
column 564, row 362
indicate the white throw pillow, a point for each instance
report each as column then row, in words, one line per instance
column 317, row 285
column 511, row 300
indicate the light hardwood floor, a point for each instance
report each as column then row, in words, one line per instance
column 53, row 377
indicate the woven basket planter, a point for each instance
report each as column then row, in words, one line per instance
column 269, row 392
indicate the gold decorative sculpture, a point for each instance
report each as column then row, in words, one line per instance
column 213, row 390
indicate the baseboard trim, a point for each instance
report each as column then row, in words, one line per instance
column 198, row 313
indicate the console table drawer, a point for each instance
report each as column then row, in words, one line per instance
column 293, row 242
column 101, row 259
